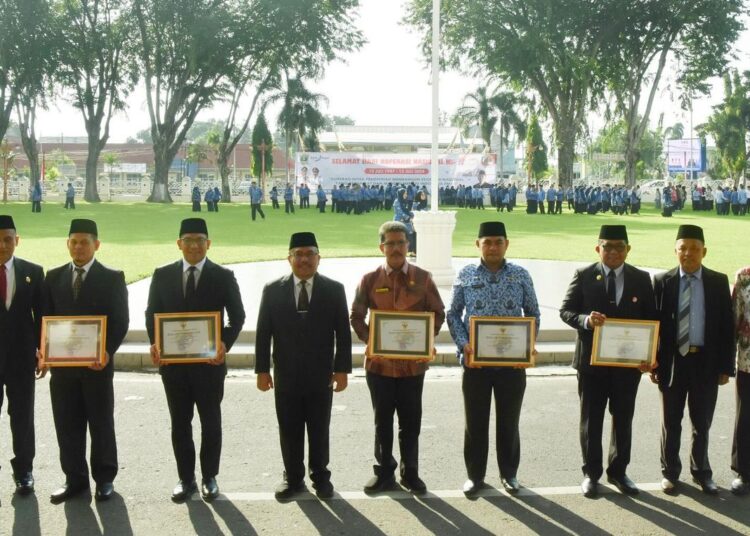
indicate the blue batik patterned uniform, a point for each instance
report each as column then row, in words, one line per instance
column 508, row 292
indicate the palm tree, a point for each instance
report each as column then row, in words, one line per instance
column 300, row 115
column 488, row 111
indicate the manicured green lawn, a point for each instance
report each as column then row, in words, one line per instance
column 137, row 237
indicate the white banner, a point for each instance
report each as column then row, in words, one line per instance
column 381, row 168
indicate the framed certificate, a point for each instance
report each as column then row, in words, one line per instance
column 401, row 334
column 623, row 342
column 73, row 341
column 187, row 337
column 502, row 341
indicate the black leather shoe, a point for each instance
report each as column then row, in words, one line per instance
column 209, row 489
column 707, row 484
column 624, row 484
column 286, row 490
column 104, row 491
column 24, row 484
column 66, row 491
column 413, row 483
column 511, row 485
column 669, row 486
column 183, row 490
column 589, row 488
column 472, row 487
column 740, row 486
column 324, row 490
column 380, row 483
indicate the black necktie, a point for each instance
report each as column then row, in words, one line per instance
column 77, row 283
column 190, row 285
column 303, row 303
column 611, row 289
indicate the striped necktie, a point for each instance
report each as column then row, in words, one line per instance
column 683, row 318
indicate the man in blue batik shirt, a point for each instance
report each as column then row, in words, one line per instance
column 494, row 287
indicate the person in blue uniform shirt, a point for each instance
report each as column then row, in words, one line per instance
column 217, row 198
column 322, row 199
column 695, row 356
column 494, row 287
column 196, row 199
column 208, row 197
column 70, row 197
column 274, row 197
column 609, row 288
column 256, row 198
column 289, row 199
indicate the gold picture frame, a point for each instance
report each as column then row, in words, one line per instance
column 402, row 335
column 624, row 342
column 502, row 341
column 73, row 341
column 187, row 337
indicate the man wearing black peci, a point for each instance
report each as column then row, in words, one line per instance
column 609, row 288
column 696, row 355
column 195, row 284
column 21, row 309
column 305, row 314
column 84, row 397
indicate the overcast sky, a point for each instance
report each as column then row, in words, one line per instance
column 385, row 83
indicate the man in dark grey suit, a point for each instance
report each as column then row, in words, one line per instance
column 84, row 397
column 606, row 289
column 21, row 310
column 305, row 314
column 696, row 355
column 195, row 284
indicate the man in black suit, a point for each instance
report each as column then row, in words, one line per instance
column 696, row 354
column 84, row 397
column 303, row 314
column 195, row 284
column 21, row 310
column 606, row 289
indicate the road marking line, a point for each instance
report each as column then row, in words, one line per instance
column 241, row 496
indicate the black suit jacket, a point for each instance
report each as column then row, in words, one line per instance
column 718, row 348
column 217, row 290
column 103, row 293
column 587, row 292
column 303, row 344
column 20, row 326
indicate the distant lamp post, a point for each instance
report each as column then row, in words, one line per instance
column 7, row 155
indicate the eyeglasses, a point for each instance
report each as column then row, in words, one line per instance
column 395, row 243
column 303, row 254
column 193, row 241
column 619, row 248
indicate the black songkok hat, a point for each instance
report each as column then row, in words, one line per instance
column 690, row 231
column 303, row 240
column 193, row 226
column 492, row 228
column 83, row 226
column 613, row 232
column 6, row 222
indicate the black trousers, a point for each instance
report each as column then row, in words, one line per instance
column 188, row 387
column 295, row 412
column 402, row 396
column 196, row 206
column 690, row 383
column 288, row 206
column 616, row 388
column 256, row 208
column 19, row 389
column 36, row 206
column 81, row 400
column 741, row 442
column 70, row 202
column 508, row 387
